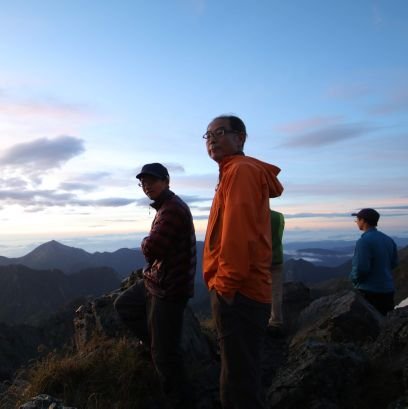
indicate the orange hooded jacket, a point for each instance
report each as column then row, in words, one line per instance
column 238, row 246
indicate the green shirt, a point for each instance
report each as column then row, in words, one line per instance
column 277, row 226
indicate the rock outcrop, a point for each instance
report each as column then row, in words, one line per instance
column 343, row 355
column 45, row 402
column 99, row 317
column 338, row 352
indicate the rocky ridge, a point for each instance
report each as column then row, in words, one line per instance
column 338, row 353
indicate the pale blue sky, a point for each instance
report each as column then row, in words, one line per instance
column 90, row 91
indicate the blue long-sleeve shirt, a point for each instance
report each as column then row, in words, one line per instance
column 375, row 256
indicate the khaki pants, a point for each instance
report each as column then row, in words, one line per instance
column 276, row 318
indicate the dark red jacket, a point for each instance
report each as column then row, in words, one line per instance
column 170, row 249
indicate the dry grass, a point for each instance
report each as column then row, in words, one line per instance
column 108, row 374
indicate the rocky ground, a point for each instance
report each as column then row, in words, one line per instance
column 337, row 352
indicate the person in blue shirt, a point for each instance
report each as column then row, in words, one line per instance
column 375, row 256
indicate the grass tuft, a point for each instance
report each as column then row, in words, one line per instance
column 108, row 374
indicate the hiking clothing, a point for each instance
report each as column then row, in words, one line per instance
column 375, row 256
column 276, row 318
column 241, row 329
column 170, row 249
column 165, row 324
column 238, row 245
column 170, row 252
column 383, row 302
column 277, row 227
column 159, row 322
column 131, row 307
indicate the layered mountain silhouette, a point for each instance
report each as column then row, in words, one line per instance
column 29, row 296
column 34, row 286
column 308, row 273
column 43, row 280
column 54, row 255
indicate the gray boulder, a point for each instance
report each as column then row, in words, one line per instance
column 344, row 355
column 342, row 317
column 44, row 402
column 296, row 297
column 317, row 375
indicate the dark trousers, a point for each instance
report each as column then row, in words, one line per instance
column 163, row 322
column 131, row 307
column 383, row 302
column 241, row 328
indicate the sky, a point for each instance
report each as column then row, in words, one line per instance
column 90, row 91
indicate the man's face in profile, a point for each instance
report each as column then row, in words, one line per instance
column 222, row 140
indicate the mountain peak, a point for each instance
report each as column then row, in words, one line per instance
column 52, row 244
column 55, row 254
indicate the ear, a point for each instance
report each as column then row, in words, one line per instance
column 240, row 139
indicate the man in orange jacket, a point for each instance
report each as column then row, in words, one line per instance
column 237, row 259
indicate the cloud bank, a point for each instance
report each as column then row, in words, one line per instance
column 43, row 153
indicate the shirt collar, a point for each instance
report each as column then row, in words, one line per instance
column 166, row 194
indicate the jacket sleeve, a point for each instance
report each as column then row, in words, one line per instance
column 244, row 196
column 168, row 222
column 394, row 261
column 361, row 262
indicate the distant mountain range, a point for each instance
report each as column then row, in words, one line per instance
column 70, row 260
column 37, row 284
column 29, row 296
column 335, row 244
column 308, row 273
column 331, row 253
column 321, row 256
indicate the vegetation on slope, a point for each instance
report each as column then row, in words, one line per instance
column 108, row 374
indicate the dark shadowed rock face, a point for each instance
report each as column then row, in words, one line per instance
column 317, row 374
column 401, row 276
column 344, row 355
column 389, row 355
column 342, row 317
column 99, row 317
column 30, row 296
column 338, row 352
column 44, row 402
column 296, row 297
column 18, row 344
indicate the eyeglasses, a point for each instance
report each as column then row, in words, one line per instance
column 219, row 132
column 147, row 181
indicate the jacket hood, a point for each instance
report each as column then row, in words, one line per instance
column 271, row 171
